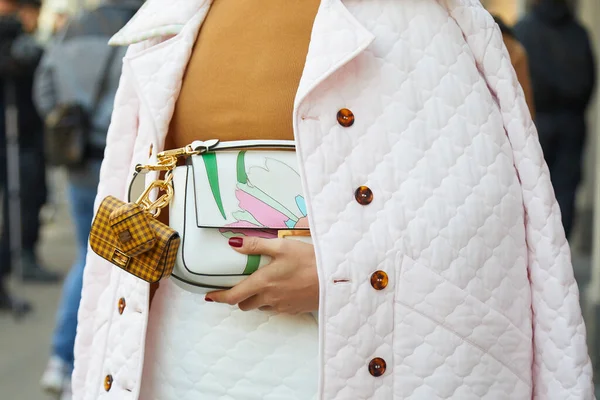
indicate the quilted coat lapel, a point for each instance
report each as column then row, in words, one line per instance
column 156, row 19
column 337, row 38
column 158, row 71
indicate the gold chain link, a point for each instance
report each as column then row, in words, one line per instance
column 155, row 207
column 166, row 162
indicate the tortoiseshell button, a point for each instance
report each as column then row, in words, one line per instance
column 377, row 367
column 150, row 150
column 345, row 118
column 108, row 381
column 363, row 195
column 122, row 305
column 379, row 280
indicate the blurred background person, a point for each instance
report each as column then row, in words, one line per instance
column 60, row 17
column 563, row 77
column 19, row 56
column 10, row 28
column 79, row 68
column 518, row 57
column 56, row 17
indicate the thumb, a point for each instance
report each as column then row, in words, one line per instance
column 255, row 246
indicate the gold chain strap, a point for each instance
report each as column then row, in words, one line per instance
column 166, row 162
column 164, row 186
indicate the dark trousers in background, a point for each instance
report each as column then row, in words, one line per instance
column 33, row 196
column 562, row 136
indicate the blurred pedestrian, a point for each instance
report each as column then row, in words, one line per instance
column 10, row 28
column 61, row 17
column 518, row 58
column 563, row 77
column 80, row 71
column 19, row 57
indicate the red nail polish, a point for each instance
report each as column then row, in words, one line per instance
column 236, row 242
column 208, row 299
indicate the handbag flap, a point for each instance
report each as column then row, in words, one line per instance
column 130, row 225
column 251, row 189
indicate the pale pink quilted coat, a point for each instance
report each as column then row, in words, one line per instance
column 481, row 302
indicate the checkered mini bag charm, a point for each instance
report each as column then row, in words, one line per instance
column 129, row 236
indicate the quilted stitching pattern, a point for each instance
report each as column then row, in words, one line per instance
column 463, row 221
column 95, row 307
column 431, row 150
column 213, row 351
column 448, row 196
column 561, row 365
column 117, row 340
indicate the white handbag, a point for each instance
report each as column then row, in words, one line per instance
column 232, row 189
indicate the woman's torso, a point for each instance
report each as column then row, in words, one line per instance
column 446, row 222
column 240, row 83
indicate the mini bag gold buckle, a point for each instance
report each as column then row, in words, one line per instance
column 120, row 259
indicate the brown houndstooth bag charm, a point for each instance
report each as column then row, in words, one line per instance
column 130, row 237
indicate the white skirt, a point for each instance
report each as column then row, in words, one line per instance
column 199, row 350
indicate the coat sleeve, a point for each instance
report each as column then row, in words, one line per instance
column 113, row 181
column 44, row 85
column 561, row 366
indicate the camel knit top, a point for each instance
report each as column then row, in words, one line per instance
column 244, row 72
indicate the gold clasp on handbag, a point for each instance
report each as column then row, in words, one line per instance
column 166, row 161
column 282, row 234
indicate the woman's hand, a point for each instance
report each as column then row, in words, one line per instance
column 288, row 284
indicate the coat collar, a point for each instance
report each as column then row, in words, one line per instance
column 336, row 39
column 158, row 18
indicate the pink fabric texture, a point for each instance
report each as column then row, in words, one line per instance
column 481, row 301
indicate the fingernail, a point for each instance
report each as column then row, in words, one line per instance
column 208, row 299
column 236, row 242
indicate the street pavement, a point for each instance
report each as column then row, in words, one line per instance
column 25, row 344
